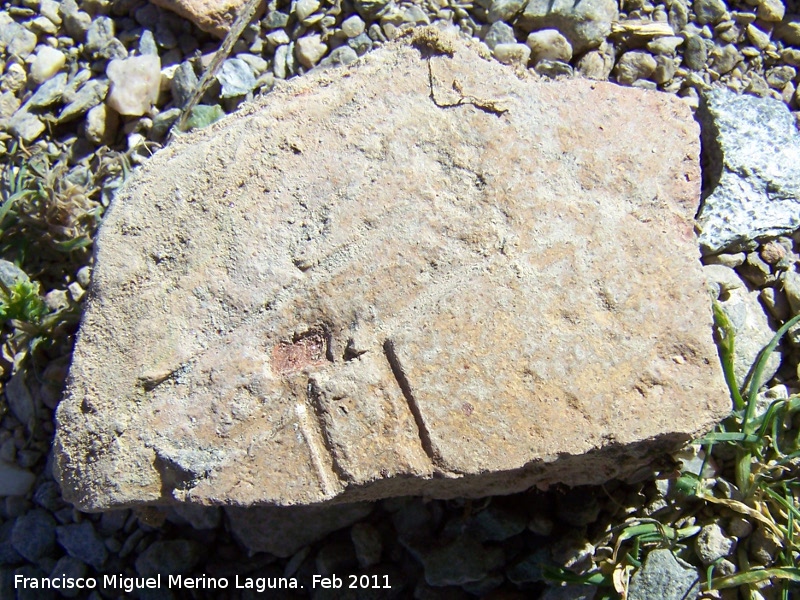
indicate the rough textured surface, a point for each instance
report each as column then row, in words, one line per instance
column 458, row 288
column 753, row 150
column 213, row 16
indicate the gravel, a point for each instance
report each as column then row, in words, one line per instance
column 86, row 80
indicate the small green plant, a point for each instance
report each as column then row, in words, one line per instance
column 764, row 488
column 21, row 301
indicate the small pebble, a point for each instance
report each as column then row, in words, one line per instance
column 771, row 10
column 499, row 33
column 15, row 481
column 353, row 26
column 549, row 44
column 505, row 10
column 82, row 542
column 708, row 11
column 236, row 78
column 33, row 535
column 634, row 65
column 47, row 62
column 665, row 45
column 596, row 65
column 135, row 83
column 712, row 543
column 508, row 54
column 101, row 126
column 725, row 58
column 309, row 50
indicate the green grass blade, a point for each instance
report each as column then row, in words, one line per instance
column 727, row 436
column 726, row 351
column 756, row 576
column 748, row 426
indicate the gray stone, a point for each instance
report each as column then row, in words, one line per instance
column 371, row 9
column 529, row 567
column 15, row 481
column 361, row 44
column 712, row 543
column 549, row 44
column 778, row 77
column 76, row 22
column 48, row 62
column 678, row 16
column 48, row 496
column 788, row 30
column 163, row 121
column 504, row 10
column 262, row 382
column 634, row 65
column 89, row 95
column 16, row 39
column 569, row 592
column 666, row 45
column 183, row 84
column 164, row 36
column 82, row 542
column 585, row 24
column 497, row 523
column 708, row 11
column 721, row 280
column 99, row 35
column 282, row 531
column 344, row 55
column 19, row 399
column 499, row 33
column 753, row 149
column 512, row 54
column 25, row 125
column 147, row 43
column 168, row 557
column 596, row 64
column 763, row 545
column 367, row 543
column 460, row 561
column 664, row 71
column 33, row 535
column 199, row 517
column 695, row 53
column 553, row 69
column 353, row 26
column 309, row 50
column 771, row 10
column 68, row 568
column 665, row 577
column 8, row 556
column 112, row 521
column 236, row 78
column 135, row 83
column 49, row 92
column 791, row 285
column 578, row 507
column 101, row 125
column 29, row 593
column 723, row 59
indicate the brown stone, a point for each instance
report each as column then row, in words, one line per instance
column 424, row 273
column 212, row 16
